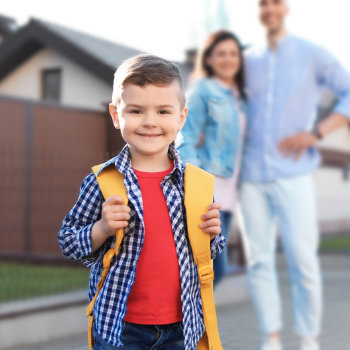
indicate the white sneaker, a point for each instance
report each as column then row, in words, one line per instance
column 309, row 344
column 271, row 344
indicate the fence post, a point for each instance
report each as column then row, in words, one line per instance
column 28, row 175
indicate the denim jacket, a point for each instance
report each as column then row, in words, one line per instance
column 211, row 133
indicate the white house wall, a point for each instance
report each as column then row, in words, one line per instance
column 79, row 87
column 333, row 199
column 332, row 190
column 338, row 140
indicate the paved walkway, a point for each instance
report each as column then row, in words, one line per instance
column 237, row 322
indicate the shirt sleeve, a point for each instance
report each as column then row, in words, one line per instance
column 189, row 137
column 216, row 245
column 74, row 237
column 332, row 74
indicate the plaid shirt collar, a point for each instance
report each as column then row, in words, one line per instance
column 123, row 163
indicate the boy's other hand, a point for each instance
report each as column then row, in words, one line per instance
column 211, row 220
column 115, row 215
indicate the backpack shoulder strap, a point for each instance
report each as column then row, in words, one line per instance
column 199, row 192
column 111, row 182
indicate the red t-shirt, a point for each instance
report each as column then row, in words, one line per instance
column 155, row 297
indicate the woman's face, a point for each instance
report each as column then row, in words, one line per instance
column 225, row 60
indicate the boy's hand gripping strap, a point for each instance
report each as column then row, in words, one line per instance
column 111, row 183
column 199, row 190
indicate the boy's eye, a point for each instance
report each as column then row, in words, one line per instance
column 135, row 111
column 164, row 111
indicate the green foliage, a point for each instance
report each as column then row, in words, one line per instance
column 337, row 243
column 24, row 280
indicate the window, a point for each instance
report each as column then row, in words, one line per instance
column 51, row 84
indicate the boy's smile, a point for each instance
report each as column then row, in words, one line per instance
column 149, row 118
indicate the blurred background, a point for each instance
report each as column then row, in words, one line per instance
column 57, row 61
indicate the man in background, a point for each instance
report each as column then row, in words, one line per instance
column 284, row 82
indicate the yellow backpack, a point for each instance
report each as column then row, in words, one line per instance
column 199, row 189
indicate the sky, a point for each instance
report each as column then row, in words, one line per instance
column 169, row 27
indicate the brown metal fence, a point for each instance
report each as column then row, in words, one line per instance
column 45, row 152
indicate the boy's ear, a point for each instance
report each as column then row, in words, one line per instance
column 114, row 114
column 183, row 117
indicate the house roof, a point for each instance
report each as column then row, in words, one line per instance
column 107, row 51
column 101, row 57
column 7, row 25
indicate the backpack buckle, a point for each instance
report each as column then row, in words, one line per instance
column 205, row 274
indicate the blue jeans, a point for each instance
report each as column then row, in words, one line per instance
column 145, row 337
column 220, row 262
column 290, row 201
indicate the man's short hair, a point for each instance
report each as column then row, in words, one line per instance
column 285, row 1
column 145, row 69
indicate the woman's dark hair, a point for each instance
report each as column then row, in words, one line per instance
column 209, row 45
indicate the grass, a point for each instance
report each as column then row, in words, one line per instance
column 336, row 243
column 23, row 280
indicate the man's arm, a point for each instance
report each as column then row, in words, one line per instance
column 331, row 123
column 298, row 143
column 331, row 74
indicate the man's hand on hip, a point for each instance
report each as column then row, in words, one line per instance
column 297, row 144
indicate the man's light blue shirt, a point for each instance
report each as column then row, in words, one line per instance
column 284, row 87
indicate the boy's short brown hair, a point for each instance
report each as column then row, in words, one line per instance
column 146, row 69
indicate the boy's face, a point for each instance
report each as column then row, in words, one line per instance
column 149, row 117
column 273, row 13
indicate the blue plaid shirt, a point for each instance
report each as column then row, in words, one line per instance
column 74, row 239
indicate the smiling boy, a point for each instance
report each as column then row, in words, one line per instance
column 151, row 297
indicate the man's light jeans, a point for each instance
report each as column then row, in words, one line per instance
column 290, row 203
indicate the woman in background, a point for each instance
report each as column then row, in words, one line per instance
column 212, row 137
